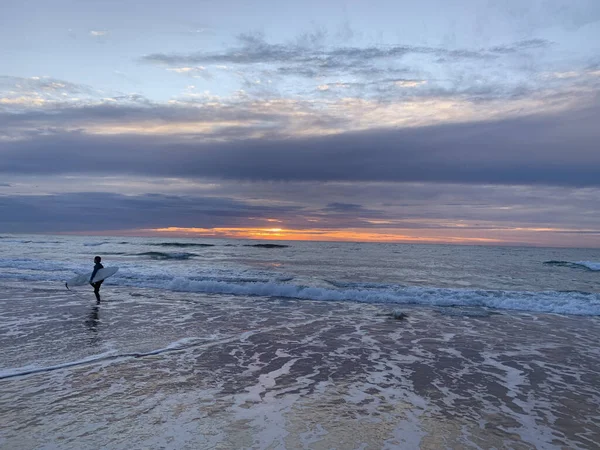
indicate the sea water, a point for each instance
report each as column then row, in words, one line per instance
column 551, row 280
column 234, row 344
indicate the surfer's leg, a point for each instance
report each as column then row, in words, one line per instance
column 97, row 290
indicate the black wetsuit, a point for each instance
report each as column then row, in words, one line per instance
column 96, row 285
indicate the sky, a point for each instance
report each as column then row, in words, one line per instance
column 430, row 121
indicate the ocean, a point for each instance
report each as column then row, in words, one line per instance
column 212, row 343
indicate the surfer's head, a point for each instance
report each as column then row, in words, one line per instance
column 97, row 259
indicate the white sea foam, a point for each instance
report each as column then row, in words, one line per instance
column 112, row 355
column 589, row 264
column 32, row 369
column 241, row 284
column 551, row 302
column 323, row 272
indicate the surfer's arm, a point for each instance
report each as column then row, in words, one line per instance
column 97, row 267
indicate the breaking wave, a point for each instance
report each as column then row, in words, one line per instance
column 309, row 288
column 579, row 303
column 589, row 265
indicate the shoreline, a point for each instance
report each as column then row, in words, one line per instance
column 254, row 372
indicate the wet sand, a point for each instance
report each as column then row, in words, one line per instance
column 159, row 369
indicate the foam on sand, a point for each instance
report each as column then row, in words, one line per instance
column 172, row 369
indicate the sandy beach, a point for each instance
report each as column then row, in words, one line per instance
column 158, row 369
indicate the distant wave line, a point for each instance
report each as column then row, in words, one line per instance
column 588, row 265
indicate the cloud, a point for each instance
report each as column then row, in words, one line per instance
column 94, row 211
column 350, row 211
column 22, row 92
column 401, row 204
column 338, row 108
column 129, row 115
column 410, row 83
column 553, row 149
column 98, row 33
column 338, row 85
column 343, row 207
column 440, row 212
column 313, row 57
column 314, row 62
column 193, row 72
column 187, row 70
column 41, row 83
column 254, row 49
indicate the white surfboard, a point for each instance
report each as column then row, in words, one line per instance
column 102, row 274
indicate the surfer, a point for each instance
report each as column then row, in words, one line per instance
column 97, row 267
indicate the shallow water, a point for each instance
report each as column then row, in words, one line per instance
column 152, row 368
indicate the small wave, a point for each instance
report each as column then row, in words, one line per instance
column 33, row 264
column 591, row 265
column 13, row 239
column 545, row 302
column 266, row 245
column 164, row 255
column 562, row 264
column 94, row 244
column 303, row 288
column 181, row 244
column 182, row 344
column 586, row 265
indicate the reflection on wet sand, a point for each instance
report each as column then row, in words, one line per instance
column 92, row 322
column 199, row 371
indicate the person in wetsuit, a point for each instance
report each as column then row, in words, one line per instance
column 97, row 267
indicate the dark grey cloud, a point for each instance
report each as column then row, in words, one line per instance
column 558, row 149
column 311, row 205
column 95, row 211
column 351, row 214
column 254, row 49
column 500, row 204
column 126, row 110
column 343, row 207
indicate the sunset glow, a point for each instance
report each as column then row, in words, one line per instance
column 314, row 235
